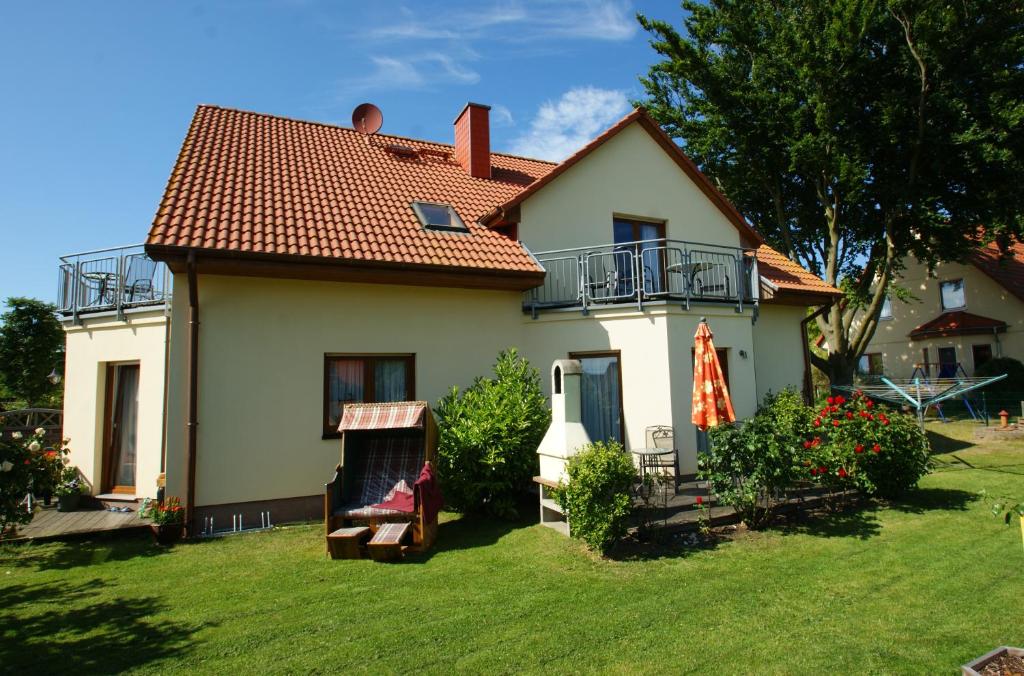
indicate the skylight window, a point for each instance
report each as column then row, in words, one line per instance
column 435, row 216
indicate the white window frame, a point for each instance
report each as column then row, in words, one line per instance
column 963, row 293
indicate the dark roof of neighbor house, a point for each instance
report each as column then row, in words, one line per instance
column 257, row 186
column 1007, row 269
column 957, row 323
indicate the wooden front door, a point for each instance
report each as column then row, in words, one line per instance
column 122, row 412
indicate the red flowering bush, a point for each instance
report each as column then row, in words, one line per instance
column 855, row 443
column 170, row 513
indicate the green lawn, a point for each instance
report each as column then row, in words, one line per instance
column 919, row 587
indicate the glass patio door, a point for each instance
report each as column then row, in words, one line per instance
column 122, row 429
column 624, row 233
column 601, row 396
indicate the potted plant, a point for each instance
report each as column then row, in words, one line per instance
column 69, row 490
column 168, row 521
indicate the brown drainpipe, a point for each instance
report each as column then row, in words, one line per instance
column 193, row 387
column 808, row 381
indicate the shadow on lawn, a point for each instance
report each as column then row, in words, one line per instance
column 82, row 627
column 940, row 443
column 921, row 500
column 468, row 532
column 856, row 522
column 81, row 552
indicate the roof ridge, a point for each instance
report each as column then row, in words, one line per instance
column 329, row 125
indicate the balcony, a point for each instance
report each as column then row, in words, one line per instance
column 644, row 271
column 111, row 280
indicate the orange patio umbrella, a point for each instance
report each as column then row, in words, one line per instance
column 711, row 403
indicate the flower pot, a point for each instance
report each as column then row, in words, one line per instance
column 167, row 534
column 68, row 503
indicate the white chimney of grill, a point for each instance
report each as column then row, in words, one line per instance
column 566, row 434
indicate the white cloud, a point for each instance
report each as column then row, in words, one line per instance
column 415, row 71
column 501, row 116
column 564, row 126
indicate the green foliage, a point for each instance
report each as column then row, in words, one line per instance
column 855, row 443
column 848, row 444
column 488, row 437
column 31, row 345
column 596, row 499
column 19, row 466
column 852, row 133
column 1014, row 370
column 750, row 466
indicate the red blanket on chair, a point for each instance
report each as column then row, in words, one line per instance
column 431, row 500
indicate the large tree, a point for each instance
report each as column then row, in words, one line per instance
column 853, row 133
column 31, row 345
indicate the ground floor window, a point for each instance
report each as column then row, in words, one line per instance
column 981, row 354
column 364, row 379
column 870, row 364
column 601, row 395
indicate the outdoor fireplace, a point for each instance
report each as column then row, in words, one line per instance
column 564, row 437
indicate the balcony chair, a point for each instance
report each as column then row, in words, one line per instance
column 386, row 449
column 138, row 284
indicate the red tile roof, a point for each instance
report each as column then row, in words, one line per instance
column 957, row 323
column 1007, row 270
column 253, row 183
column 789, row 276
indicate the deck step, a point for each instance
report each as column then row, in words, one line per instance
column 386, row 544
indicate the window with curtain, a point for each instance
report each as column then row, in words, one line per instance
column 601, row 396
column 364, row 379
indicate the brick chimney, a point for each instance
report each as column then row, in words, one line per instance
column 473, row 140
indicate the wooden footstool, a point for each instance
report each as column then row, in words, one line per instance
column 386, row 544
column 346, row 543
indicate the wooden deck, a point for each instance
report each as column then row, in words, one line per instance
column 49, row 524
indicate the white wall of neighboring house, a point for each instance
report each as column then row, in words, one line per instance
column 91, row 347
column 983, row 296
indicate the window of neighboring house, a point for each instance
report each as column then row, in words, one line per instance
column 364, row 379
column 601, row 395
column 981, row 354
column 952, row 293
column 870, row 364
column 436, row 216
column 886, row 308
column 947, row 362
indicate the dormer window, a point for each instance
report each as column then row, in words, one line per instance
column 436, row 216
column 952, row 294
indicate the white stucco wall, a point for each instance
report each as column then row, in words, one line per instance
column 91, row 347
column 261, row 361
column 777, row 355
column 983, row 297
column 630, row 175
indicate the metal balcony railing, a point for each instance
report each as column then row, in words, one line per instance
column 110, row 279
column 644, row 271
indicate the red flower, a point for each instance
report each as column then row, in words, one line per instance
column 885, row 422
column 849, row 415
column 822, row 470
column 28, row 461
column 700, row 500
column 51, row 454
column 817, row 440
column 831, row 400
column 817, row 422
column 859, row 448
column 840, row 399
column 835, row 423
column 807, row 444
column 870, row 403
column 876, row 448
column 842, row 472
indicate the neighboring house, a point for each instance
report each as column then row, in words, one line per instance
column 961, row 315
column 295, row 266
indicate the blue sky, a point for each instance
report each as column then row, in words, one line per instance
column 98, row 96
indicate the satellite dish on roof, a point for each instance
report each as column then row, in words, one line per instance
column 367, row 118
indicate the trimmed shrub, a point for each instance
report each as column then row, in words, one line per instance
column 488, row 436
column 750, row 467
column 597, row 498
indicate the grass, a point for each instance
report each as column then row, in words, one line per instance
column 921, row 586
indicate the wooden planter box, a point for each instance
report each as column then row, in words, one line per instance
column 976, row 667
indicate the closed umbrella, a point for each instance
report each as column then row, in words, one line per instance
column 711, row 403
